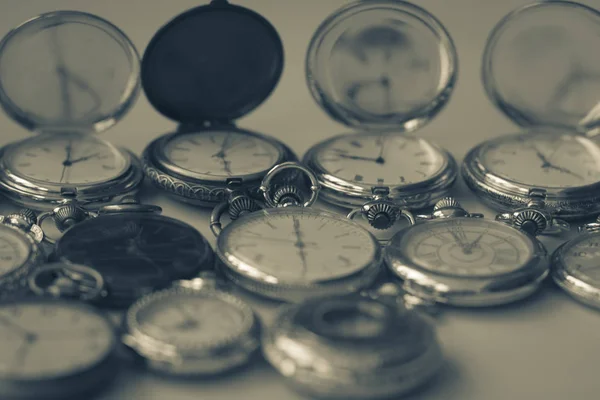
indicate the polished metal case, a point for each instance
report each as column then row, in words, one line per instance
column 323, row 360
column 269, row 286
column 231, row 350
column 351, row 194
column 576, row 287
column 537, row 118
column 82, row 384
column 467, row 291
column 198, row 189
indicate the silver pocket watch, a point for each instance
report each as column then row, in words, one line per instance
column 65, row 75
column 193, row 328
column 55, row 349
column 352, row 347
column 204, row 69
column 557, row 106
column 576, row 267
column 461, row 259
column 290, row 251
column 384, row 68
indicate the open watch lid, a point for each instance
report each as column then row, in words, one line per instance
column 540, row 69
column 67, row 71
column 212, row 63
column 381, row 65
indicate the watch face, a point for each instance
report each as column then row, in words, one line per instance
column 221, row 154
column 14, row 250
column 66, row 160
column 191, row 319
column 464, row 247
column 543, row 158
column 136, row 253
column 380, row 159
column 47, row 340
column 296, row 246
column 580, row 258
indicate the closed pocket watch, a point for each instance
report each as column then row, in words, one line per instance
column 576, row 266
column 65, row 75
column 384, row 68
column 54, row 349
column 461, row 259
column 204, row 69
column 290, row 251
column 557, row 106
column 193, row 328
column 135, row 250
column 352, row 347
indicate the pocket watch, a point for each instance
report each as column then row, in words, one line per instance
column 352, row 347
column 557, row 106
column 67, row 74
column 461, row 259
column 135, row 250
column 193, row 328
column 204, row 69
column 20, row 250
column 384, row 68
column 575, row 266
column 290, row 251
column 54, row 349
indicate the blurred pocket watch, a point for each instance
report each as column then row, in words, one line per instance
column 461, row 259
column 352, row 347
column 204, row 69
column 195, row 327
column 66, row 75
column 557, row 106
column 290, row 251
column 384, row 68
column 576, row 265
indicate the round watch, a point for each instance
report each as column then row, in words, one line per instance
column 575, row 266
column 193, row 328
column 384, row 68
column 204, row 69
column 461, row 259
column 54, row 349
column 556, row 105
column 352, row 347
column 66, row 74
column 135, row 250
column 20, row 250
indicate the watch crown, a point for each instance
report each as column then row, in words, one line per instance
column 382, row 215
column 446, row 202
column 24, row 217
column 68, row 215
column 288, row 195
column 531, row 221
column 241, row 205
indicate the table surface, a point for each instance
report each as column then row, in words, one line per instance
column 545, row 347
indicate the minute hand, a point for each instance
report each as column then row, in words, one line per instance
column 375, row 160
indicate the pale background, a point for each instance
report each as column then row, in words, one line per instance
column 544, row 348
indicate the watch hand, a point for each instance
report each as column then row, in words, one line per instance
column 385, row 82
column 23, row 350
column 300, row 245
column 563, row 170
column 475, row 242
column 221, row 154
column 84, row 158
column 4, row 320
column 281, row 240
column 377, row 160
column 67, row 162
column 541, row 156
column 458, row 239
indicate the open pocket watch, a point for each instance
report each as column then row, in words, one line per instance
column 65, row 75
column 352, row 347
column 204, row 69
column 195, row 327
column 461, row 259
column 135, row 249
column 576, row 266
column 384, row 68
column 558, row 106
column 290, row 251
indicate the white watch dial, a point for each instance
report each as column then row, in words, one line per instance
column 546, row 159
column 221, row 154
column 465, row 247
column 297, row 246
column 581, row 259
column 45, row 340
column 14, row 250
column 67, row 160
column 190, row 319
column 380, row 159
